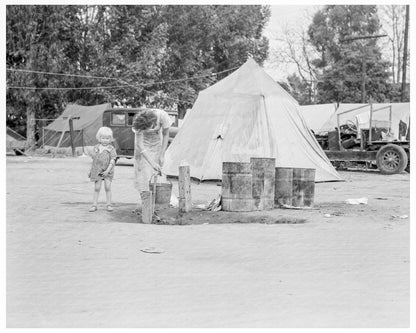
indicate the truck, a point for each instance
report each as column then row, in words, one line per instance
column 120, row 120
column 374, row 145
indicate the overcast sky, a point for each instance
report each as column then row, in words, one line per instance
column 285, row 16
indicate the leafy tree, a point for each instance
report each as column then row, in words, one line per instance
column 210, row 39
column 39, row 38
column 298, row 88
column 351, row 66
column 141, row 54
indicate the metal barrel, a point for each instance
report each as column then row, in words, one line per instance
column 236, row 187
column 263, row 170
column 162, row 195
column 303, row 188
column 283, row 186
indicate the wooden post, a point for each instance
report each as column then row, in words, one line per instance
column 390, row 115
column 147, row 205
column 339, row 134
column 370, row 135
column 71, row 135
column 185, row 201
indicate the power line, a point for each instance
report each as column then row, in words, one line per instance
column 137, row 85
column 111, row 78
column 59, row 74
column 65, row 88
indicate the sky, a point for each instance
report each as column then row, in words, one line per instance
column 284, row 17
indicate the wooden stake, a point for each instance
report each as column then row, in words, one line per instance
column 147, row 205
column 71, row 135
column 185, row 200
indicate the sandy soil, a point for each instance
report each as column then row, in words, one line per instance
column 67, row 267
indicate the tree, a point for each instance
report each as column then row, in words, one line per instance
column 38, row 39
column 300, row 89
column 141, row 54
column 393, row 24
column 221, row 37
column 350, row 64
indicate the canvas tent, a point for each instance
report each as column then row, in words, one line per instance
column 14, row 141
column 359, row 114
column 247, row 114
column 316, row 115
column 86, row 122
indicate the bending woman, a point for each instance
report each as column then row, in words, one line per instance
column 151, row 128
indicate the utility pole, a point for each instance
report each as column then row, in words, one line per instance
column 364, row 60
column 364, row 69
column 404, row 70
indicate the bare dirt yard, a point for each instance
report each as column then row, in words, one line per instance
column 341, row 265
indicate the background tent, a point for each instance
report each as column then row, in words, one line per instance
column 316, row 115
column 359, row 114
column 14, row 141
column 247, row 114
column 88, row 119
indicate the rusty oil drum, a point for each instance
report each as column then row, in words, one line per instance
column 283, row 186
column 236, row 193
column 303, row 187
column 263, row 170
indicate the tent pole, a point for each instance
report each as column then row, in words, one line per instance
column 60, row 140
column 339, row 133
column 71, row 134
column 390, row 116
column 370, row 137
column 82, row 141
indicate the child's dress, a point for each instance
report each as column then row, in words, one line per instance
column 101, row 161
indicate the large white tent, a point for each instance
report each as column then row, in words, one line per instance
column 247, row 114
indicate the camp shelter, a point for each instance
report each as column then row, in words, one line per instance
column 86, row 122
column 316, row 115
column 247, row 114
column 14, row 141
column 359, row 115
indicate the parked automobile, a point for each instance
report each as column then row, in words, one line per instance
column 120, row 120
column 377, row 147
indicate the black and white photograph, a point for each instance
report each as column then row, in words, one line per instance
column 208, row 165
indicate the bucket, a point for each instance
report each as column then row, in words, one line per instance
column 263, row 171
column 163, row 194
column 303, row 190
column 236, row 187
column 283, row 186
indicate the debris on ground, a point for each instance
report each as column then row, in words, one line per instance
column 400, row 216
column 294, row 207
column 360, row 201
column 215, row 205
column 152, row 250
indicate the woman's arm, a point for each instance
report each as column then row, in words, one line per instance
column 165, row 141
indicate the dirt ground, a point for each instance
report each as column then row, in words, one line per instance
column 340, row 266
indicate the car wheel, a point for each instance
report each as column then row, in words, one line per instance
column 391, row 159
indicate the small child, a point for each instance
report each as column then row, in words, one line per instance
column 104, row 160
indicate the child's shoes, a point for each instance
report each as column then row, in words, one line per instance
column 93, row 208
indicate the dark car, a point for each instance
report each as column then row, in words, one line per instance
column 120, row 120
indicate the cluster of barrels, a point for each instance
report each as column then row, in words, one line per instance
column 259, row 185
